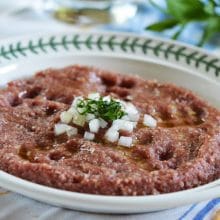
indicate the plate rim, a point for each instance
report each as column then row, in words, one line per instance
column 213, row 184
column 102, row 203
column 104, row 32
column 203, row 54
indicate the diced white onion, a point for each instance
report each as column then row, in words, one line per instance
column 116, row 125
column 76, row 101
column 79, row 119
column 80, row 110
column 120, row 124
column 94, row 125
column 61, row 128
column 134, row 116
column 112, row 135
column 128, row 126
column 122, row 103
column 66, row 117
column 126, row 118
column 129, row 97
column 89, row 117
column 107, row 98
column 72, row 132
column 131, row 107
column 132, row 112
column 89, row 136
column 94, row 96
column 125, row 141
column 75, row 110
column 72, row 110
column 103, row 123
column 149, row 121
column 135, row 124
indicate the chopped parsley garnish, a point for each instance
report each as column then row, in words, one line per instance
column 108, row 110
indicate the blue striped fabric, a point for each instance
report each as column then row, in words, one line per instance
column 203, row 212
column 187, row 212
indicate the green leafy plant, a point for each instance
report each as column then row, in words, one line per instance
column 180, row 13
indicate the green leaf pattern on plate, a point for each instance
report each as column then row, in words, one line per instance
column 114, row 44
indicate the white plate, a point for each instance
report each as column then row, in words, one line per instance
column 166, row 61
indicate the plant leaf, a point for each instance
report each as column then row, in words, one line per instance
column 178, row 33
column 162, row 25
column 210, row 7
column 186, row 10
column 212, row 27
column 153, row 3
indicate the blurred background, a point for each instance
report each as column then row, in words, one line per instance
column 195, row 22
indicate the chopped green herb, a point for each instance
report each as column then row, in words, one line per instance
column 107, row 110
